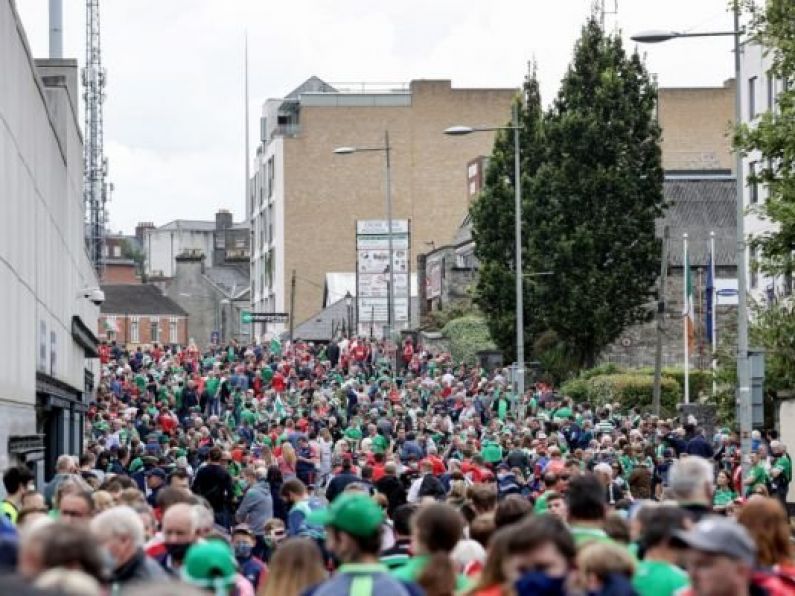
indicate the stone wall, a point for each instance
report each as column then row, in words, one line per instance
column 637, row 344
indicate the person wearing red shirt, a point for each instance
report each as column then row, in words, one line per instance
column 277, row 382
column 435, row 461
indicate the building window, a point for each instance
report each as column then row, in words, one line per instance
column 134, row 336
column 271, row 175
column 753, row 268
column 110, row 328
column 173, row 337
column 771, row 92
column 116, row 251
column 752, row 98
column 753, row 185
column 154, row 330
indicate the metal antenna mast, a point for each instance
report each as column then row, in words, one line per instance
column 95, row 188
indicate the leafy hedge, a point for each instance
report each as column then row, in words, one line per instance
column 610, row 384
column 468, row 335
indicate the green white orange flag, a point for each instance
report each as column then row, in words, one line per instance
column 690, row 309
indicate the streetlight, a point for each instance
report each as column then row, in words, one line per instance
column 465, row 130
column 743, row 370
column 386, row 149
column 349, row 305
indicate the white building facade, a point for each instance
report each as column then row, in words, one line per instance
column 266, row 218
column 758, row 92
column 162, row 245
column 47, row 361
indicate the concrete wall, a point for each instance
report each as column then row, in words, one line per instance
column 327, row 193
column 786, row 427
column 455, row 281
column 43, row 260
column 696, row 125
column 162, row 247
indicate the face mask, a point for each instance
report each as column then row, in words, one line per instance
column 108, row 560
column 243, row 550
column 177, row 550
column 540, row 584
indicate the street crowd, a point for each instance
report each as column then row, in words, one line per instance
column 349, row 470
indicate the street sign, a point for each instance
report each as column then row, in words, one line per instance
column 247, row 316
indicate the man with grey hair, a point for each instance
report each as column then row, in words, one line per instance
column 256, row 508
column 691, row 481
column 180, row 531
column 120, row 532
column 65, row 466
column 780, row 471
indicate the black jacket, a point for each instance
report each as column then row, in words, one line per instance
column 393, row 490
column 139, row 569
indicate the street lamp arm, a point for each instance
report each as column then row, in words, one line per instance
column 459, row 130
column 656, row 36
column 349, row 150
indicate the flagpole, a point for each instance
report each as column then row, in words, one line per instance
column 714, row 299
column 686, row 319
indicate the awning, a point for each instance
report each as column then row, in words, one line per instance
column 84, row 337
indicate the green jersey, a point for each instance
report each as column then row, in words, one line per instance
column 723, row 497
column 380, row 444
column 784, row 463
column 757, row 475
column 658, row 578
column 491, row 452
column 211, row 385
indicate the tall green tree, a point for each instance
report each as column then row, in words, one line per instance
column 493, row 212
column 594, row 199
column 772, row 136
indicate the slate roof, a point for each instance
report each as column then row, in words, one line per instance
column 230, row 279
column 318, row 326
column 697, row 207
column 189, row 224
column 138, row 299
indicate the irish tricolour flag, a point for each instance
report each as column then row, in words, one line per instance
column 689, row 307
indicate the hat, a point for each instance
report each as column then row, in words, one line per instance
column 159, row 472
column 209, row 564
column 353, row 513
column 243, row 529
column 720, row 536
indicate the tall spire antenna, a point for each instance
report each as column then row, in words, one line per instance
column 95, row 166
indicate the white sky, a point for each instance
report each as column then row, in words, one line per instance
column 174, row 108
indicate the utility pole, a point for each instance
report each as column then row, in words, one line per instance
column 292, row 307
column 655, row 400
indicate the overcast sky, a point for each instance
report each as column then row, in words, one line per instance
column 174, row 108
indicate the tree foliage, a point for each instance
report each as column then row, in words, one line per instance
column 772, row 135
column 468, row 335
column 493, row 217
column 592, row 178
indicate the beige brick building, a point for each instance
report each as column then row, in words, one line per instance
column 304, row 200
column 696, row 127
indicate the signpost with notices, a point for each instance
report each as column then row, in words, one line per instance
column 373, row 275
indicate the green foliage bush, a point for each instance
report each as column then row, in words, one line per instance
column 628, row 388
column 468, row 335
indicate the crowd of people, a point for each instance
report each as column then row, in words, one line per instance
column 350, row 470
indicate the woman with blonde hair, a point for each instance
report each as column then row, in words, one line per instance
column 295, row 566
column 287, row 461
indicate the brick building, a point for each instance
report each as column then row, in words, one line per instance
column 304, row 200
column 120, row 268
column 139, row 314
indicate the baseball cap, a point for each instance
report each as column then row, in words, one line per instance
column 209, row 564
column 353, row 513
column 719, row 536
column 159, row 472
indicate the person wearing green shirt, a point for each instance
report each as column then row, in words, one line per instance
column 724, row 495
column 379, row 444
column 657, row 574
column 266, row 373
column 780, row 471
column 756, row 475
column 491, row 451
